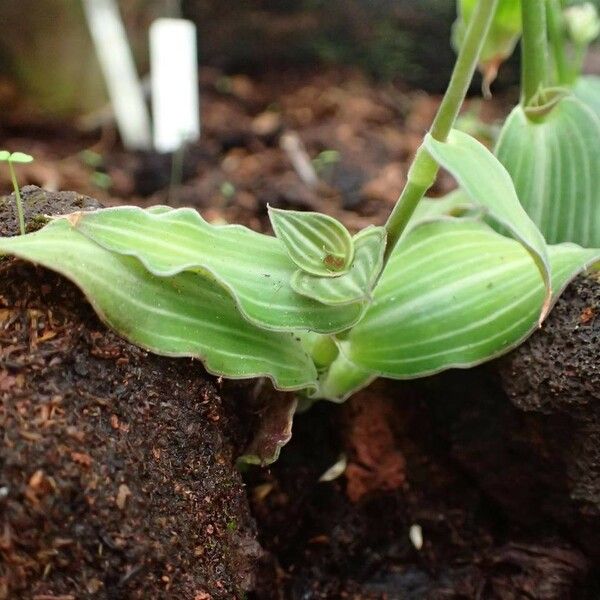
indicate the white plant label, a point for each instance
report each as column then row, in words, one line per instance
column 118, row 67
column 175, row 98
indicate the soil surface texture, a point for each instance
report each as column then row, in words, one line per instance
column 117, row 475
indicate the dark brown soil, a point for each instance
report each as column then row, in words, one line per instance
column 116, row 466
column 557, row 373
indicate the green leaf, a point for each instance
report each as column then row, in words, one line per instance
column 487, row 183
column 4, row 155
column 587, row 89
column 454, row 294
column 20, row 157
column 317, row 243
column 554, row 162
column 159, row 209
column 353, row 286
column 182, row 315
column 254, row 268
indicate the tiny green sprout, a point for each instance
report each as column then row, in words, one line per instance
column 227, row 190
column 91, row 158
column 101, row 180
column 325, row 161
column 11, row 159
column 232, row 525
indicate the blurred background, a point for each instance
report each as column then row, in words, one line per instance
column 304, row 103
column 46, row 51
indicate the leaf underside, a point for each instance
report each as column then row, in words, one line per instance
column 353, row 286
column 179, row 315
column 555, row 163
column 254, row 268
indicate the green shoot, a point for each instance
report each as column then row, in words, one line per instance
column 12, row 159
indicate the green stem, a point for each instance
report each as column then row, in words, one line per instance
column 557, row 42
column 578, row 60
column 534, row 70
column 13, row 176
column 423, row 170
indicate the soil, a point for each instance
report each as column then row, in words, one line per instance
column 361, row 137
column 471, row 484
column 117, row 475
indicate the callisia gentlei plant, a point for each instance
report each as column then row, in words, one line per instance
column 446, row 283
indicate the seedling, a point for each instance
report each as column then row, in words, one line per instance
column 11, row 159
column 316, row 309
column 325, row 163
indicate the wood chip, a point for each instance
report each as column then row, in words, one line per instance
column 82, row 458
column 122, row 495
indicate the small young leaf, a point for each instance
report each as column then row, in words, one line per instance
column 317, row 243
column 554, row 163
column 254, row 268
column 182, row 315
column 4, row 155
column 454, row 294
column 353, row 286
column 20, row 157
column 487, row 183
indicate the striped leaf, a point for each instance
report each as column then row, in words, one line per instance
column 454, row 294
column 554, row 163
column 353, row 286
column 254, row 268
column 587, row 89
column 181, row 315
column 317, row 243
column 487, row 183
